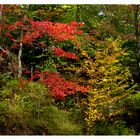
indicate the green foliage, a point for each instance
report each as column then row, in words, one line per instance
column 106, row 63
column 134, row 101
column 49, row 66
column 59, row 123
column 29, row 109
column 70, row 14
column 115, row 128
column 20, row 104
column 52, row 12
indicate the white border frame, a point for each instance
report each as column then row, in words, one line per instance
column 69, row 2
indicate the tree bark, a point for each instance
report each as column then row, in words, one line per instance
column 21, row 47
column 32, row 70
column 19, row 60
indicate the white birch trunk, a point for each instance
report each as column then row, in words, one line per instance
column 20, row 49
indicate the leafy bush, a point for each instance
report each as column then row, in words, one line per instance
column 59, row 122
column 134, row 100
column 116, row 128
column 29, row 109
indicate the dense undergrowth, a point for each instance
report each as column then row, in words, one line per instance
column 31, row 110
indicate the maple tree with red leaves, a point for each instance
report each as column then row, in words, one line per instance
column 58, row 86
column 37, row 29
column 32, row 30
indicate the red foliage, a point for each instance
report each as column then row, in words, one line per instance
column 9, row 36
column 58, row 86
column 36, row 29
column 27, row 72
column 60, row 52
column 0, row 28
column 15, row 46
column 58, row 31
column 26, row 39
column 4, row 53
column 19, row 23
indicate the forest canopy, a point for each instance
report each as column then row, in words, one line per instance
column 69, row 69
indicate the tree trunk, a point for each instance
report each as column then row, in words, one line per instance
column 32, row 70
column 21, row 47
column 19, row 60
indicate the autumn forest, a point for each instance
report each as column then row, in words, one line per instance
column 69, row 69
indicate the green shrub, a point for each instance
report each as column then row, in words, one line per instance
column 134, row 100
column 59, row 122
column 114, row 128
column 29, row 109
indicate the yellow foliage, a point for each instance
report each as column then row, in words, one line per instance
column 108, row 79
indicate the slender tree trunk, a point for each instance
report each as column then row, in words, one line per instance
column 19, row 60
column 32, row 70
column 21, row 47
